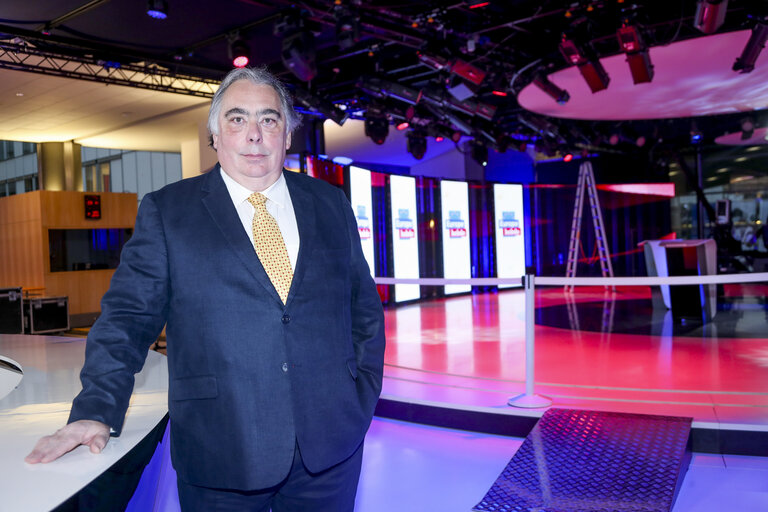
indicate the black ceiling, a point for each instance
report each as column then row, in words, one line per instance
column 403, row 57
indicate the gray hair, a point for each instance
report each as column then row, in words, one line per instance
column 258, row 76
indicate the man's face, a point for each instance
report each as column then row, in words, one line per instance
column 252, row 138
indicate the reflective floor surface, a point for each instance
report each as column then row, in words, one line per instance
column 410, row 467
column 596, row 349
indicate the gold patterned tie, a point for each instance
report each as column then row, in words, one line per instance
column 270, row 246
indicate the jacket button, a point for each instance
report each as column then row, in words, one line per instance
column 285, row 367
column 286, row 318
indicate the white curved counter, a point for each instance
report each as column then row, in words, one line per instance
column 40, row 405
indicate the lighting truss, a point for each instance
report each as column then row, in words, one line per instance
column 22, row 57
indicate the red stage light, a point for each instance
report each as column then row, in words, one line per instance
column 568, row 157
column 499, row 93
column 240, row 62
column 438, row 139
column 478, row 5
column 402, row 126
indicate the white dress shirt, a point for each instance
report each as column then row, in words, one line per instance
column 279, row 206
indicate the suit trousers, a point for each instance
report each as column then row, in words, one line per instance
column 332, row 490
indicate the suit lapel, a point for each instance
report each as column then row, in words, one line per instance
column 304, row 208
column 218, row 202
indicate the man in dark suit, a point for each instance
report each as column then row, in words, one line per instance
column 275, row 355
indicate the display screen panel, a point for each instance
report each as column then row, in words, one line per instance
column 86, row 249
column 405, row 235
column 362, row 206
column 454, row 198
column 510, row 232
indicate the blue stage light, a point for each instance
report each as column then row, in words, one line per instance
column 157, row 9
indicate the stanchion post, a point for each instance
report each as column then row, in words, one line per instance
column 529, row 399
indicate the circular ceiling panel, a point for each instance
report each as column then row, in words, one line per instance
column 692, row 78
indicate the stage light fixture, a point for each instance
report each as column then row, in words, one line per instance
column 402, row 126
column 747, row 128
column 321, row 105
column 416, row 142
column 239, row 52
column 157, row 9
column 376, row 124
column 696, row 137
column 559, row 95
column 347, row 27
column 746, row 62
column 479, row 153
column 567, row 157
column 590, row 67
column 298, row 55
column 638, row 57
column 710, row 15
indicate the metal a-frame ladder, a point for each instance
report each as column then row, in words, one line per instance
column 586, row 185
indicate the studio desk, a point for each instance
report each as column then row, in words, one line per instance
column 38, row 404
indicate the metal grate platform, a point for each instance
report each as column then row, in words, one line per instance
column 574, row 461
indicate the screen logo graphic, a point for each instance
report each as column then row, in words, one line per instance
column 455, row 225
column 363, row 223
column 404, row 224
column 509, row 225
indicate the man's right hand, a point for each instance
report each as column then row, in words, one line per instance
column 93, row 434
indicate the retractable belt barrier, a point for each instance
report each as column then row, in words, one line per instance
column 529, row 399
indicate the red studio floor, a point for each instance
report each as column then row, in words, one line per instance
column 595, row 349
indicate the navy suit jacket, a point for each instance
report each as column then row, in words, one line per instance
column 249, row 376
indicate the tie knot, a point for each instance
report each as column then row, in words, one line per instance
column 257, row 199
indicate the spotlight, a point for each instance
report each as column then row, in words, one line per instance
column 298, row 55
column 347, row 27
column 591, row 69
column 747, row 128
column 376, row 124
column 321, row 105
column 468, row 72
column 637, row 54
column 560, row 95
column 752, row 49
column 157, row 9
column 710, row 15
column 568, row 157
column 479, row 153
column 239, row 53
column 416, row 144
column 696, row 137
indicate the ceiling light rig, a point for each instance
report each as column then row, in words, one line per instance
column 479, row 152
column 416, row 144
column 347, row 26
column 746, row 62
column 747, row 128
column 376, row 124
column 239, row 52
column 638, row 58
column 321, row 105
column 590, row 67
column 157, row 9
column 298, row 47
column 561, row 96
column 710, row 15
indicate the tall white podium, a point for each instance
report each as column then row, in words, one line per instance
column 684, row 258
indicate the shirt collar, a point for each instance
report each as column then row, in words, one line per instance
column 277, row 192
